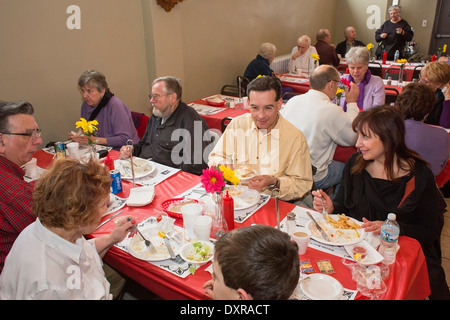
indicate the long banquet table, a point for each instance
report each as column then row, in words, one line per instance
column 300, row 84
column 214, row 120
column 408, row 277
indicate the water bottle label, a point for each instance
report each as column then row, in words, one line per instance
column 389, row 236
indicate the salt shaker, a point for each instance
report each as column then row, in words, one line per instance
column 290, row 222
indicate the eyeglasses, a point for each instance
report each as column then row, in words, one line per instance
column 34, row 134
column 156, row 97
column 424, row 80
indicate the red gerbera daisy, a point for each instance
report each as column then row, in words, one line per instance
column 212, row 180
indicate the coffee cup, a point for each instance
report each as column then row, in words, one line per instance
column 301, row 236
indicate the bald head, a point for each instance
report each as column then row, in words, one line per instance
column 322, row 75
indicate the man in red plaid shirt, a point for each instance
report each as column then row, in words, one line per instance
column 19, row 139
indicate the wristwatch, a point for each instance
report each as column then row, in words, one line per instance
column 275, row 185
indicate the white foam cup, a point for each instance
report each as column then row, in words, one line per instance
column 301, row 236
column 202, row 227
column 190, row 212
column 72, row 149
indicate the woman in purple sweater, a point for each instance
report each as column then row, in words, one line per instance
column 115, row 125
column 371, row 88
column 431, row 142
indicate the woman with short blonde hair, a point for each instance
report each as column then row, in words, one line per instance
column 436, row 75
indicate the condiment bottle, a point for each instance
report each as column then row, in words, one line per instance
column 228, row 210
column 109, row 163
column 384, row 57
column 290, row 223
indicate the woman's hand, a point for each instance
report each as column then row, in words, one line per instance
column 328, row 203
column 81, row 139
column 371, row 226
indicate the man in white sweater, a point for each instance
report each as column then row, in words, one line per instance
column 324, row 124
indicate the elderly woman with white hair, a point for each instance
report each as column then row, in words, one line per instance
column 371, row 88
column 301, row 56
column 394, row 33
column 260, row 66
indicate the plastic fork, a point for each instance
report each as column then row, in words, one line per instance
column 324, row 211
column 149, row 245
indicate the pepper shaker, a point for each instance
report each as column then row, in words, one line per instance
column 290, row 223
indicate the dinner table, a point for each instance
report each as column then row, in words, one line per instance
column 214, row 113
column 407, row 278
column 408, row 68
column 300, row 84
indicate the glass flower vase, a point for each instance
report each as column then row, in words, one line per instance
column 219, row 225
column 400, row 78
column 93, row 151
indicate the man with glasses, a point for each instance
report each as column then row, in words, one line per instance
column 19, row 139
column 176, row 134
column 324, row 124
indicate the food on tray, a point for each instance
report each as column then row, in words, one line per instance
column 343, row 222
column 200, row 251
column 140, row 248
column 343, row 230
column 234, row 192
column 359, row 252
column 176, row 205
column 245, row 172
column 216, row 99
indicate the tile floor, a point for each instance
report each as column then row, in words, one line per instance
column 134, row 291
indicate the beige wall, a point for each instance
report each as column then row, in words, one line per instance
column 41, row 59
column 206, row 43
column 352, row 12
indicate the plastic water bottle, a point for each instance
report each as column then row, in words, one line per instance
column 396, row 56
column 390, row 231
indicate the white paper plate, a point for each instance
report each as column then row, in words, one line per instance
column 137, row 248
column 247, row 197
column 372, row 257
column 141, row 196
column 322, row 287
column 186, row 249
column 142, row 168
column 353, row 238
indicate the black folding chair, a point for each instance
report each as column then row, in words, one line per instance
column 376, row 69
column 224, row 122
column 416, row 72
column 391, row 96
column 394, row 73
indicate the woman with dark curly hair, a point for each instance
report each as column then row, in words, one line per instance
column 51, row 259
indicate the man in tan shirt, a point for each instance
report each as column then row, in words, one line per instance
column 264, row 141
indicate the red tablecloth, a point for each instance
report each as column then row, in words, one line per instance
column 304, row 87
column 408, row 278
column 408, row 68
column 214, row 120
